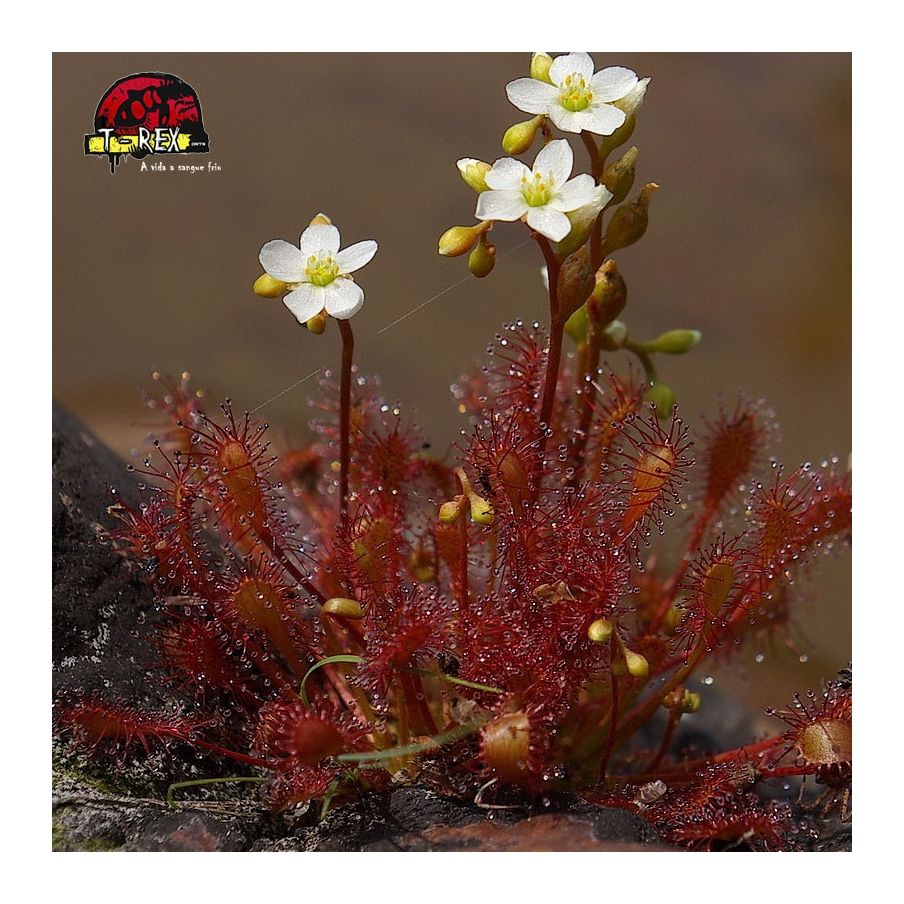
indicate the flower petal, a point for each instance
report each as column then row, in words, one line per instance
column 575, row 193
column 555, row 160
column 501, row 205
column 568, row 63
column 531, row 95
column 356, row 256
column 565, row 120
column 344, row 298
column 551, row 223
column 601, row 119
column 612, row 83
column 305, row 301
column 282, row 260
column 319, row 237
column 506, row 174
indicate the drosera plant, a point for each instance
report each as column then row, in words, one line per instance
column 357, row 612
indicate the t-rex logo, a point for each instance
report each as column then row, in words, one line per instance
column 147, row 113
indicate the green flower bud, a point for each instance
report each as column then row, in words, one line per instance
column 600, row 631
column 268, row 287
column 450, row 511
column 317, row 324
column 343, row 607
column 614, row 336
column 576, row 325
column 629, row 222
column 619, row 137
column 610, row 294
column 619, row 178
column 474, row 172
column 539, row 67
column 637, row 665
column 690, row 702
column 575, row 283
column 461, row 239
column 674, row 342
column 663, row 397
column 481, row 510
column 482, row 259
column 519, row 137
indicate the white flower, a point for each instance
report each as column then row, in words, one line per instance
column 318, row 273
column 544, row 195
column 578, row 100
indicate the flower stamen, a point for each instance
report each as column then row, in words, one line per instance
column 537, row 190
column 321, row 271
column 575, row 93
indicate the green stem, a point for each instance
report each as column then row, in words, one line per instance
column 196, row 782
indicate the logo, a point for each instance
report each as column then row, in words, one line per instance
column 147, row 113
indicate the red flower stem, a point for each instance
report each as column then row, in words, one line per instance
column 345, row 406
column 556, row 334
column 645, row 710
column 674, row 717
column 231, row 754
column 589, row 365
column 613, row 724
column 674, row 583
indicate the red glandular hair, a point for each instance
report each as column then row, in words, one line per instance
column 733, row 446
column 820, row 736
column 712, row 592
column 303, row 742
column 115, row 729
column 654, row 467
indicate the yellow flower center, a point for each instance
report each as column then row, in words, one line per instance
column 575, row 94
column 321, row 271
column 538, row 190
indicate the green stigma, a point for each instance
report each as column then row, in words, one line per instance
column 575, row 94
column 321, row 271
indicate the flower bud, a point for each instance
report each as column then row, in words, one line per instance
column 632, row 101
column 637, row 665
column 610, row 294
column 321, row 220
column 614, row 336
column 482, row 259
column 619, row 178
column 519, row 137
column 461, row 239
column 317, row 324
column 663, row 397
column 474, row 172
column 539, row 66
column 268, row 287
column 576, row 325
column 629, row 222
column 449, row 511
column 575, row 282
column 600, row 631
column 674, row 342
column 690, row 702
column 481, row 510
column 619, row 137
column 343, row 607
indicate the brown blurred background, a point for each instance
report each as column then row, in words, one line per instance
column 749, row 242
